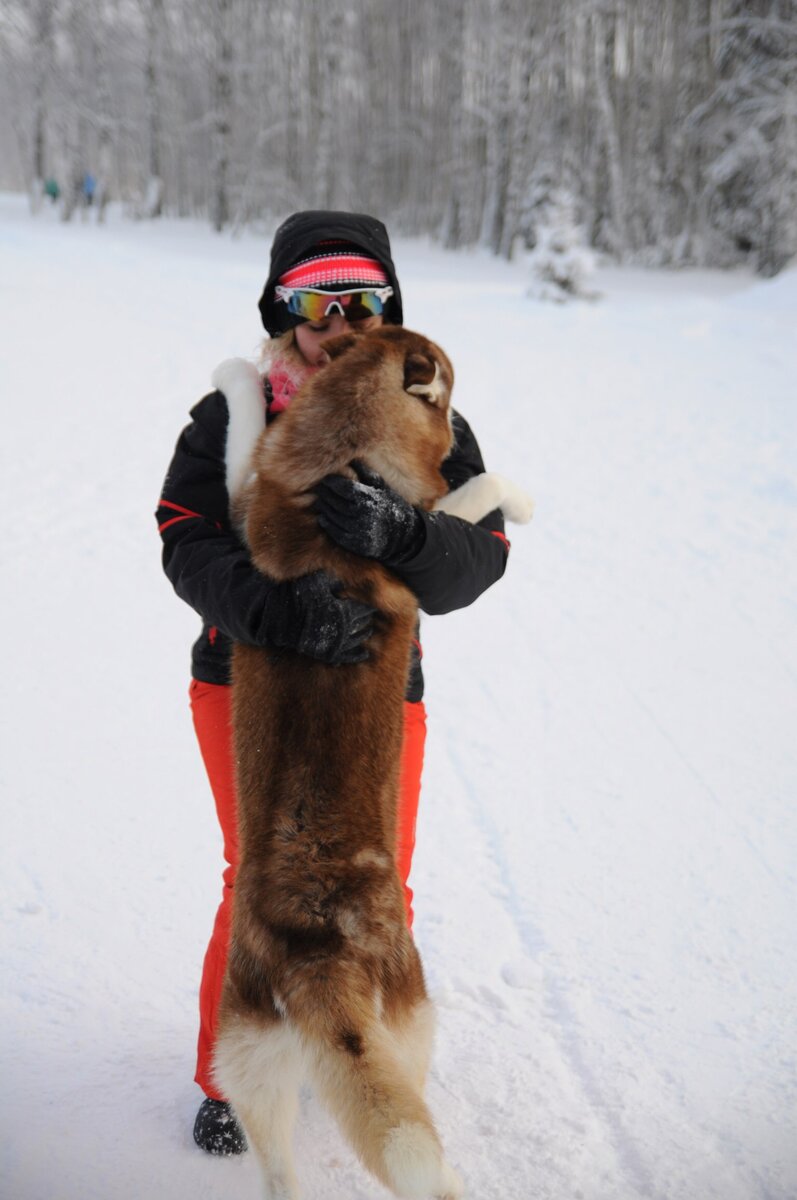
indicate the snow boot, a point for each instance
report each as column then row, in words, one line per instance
column 216, row 1130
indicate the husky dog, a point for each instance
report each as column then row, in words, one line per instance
column 323, row 979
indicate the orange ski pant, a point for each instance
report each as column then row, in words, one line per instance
column 210, row 708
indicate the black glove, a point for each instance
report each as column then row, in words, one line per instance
column 369, row 518
column 309, row 615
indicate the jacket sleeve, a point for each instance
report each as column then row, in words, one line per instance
column 205, row 561
column 457, row 561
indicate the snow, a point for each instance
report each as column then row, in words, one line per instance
column 605, row 876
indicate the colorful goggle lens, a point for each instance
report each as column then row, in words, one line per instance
column 354, row 306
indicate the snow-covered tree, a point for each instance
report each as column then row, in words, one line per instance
column 561, row 262
column 748, row 124
column 671, row 123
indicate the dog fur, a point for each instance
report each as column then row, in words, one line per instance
column 242, row 386
column 323, row 978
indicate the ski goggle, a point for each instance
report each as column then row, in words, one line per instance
column 354, row 305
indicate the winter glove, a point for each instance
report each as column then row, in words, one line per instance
column 368, row 518
column 309, row 615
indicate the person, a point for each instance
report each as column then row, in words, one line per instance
column 89, row 188
column 330, row 272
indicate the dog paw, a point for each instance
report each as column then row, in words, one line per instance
column 518, row 507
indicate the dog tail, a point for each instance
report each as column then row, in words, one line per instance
column 369, row 1074
column 371, row 1082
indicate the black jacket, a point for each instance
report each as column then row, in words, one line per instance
column 209, row 567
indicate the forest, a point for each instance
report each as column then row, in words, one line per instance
column 663, row 131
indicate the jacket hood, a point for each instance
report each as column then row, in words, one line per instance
column 304, row 230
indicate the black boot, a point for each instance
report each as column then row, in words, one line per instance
column 216, row 1129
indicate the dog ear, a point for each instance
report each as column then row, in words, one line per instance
column 423, row 378
column 418, row 369
column 335, row 346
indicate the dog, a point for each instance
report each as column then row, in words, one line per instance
column 323, row 979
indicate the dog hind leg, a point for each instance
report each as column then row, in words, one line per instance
column 259, row 1069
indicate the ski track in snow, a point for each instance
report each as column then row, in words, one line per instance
column 605, row 877
column 702, row 782
column 555, row 999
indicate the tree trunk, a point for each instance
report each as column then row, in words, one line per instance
column 498, row 132
column 619, row 220
column 221, row 116
column 153, row 193
column 43, row 59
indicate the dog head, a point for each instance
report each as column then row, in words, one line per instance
column 396, row 386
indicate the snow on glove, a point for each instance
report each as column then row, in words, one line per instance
column 368, row 518
column 309, row 615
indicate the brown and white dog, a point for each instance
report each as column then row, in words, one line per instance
column 323, row 979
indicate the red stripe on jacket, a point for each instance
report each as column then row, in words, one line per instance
column 187, row 514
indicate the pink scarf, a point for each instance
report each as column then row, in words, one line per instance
column 286, row 379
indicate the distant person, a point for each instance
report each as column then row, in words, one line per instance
column 89, row 189
column 52, row 189
column 330, row 272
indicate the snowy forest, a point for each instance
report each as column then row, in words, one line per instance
column 665, row 131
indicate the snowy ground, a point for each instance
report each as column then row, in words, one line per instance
column 605, row 878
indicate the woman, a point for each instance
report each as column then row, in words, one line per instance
column 330, row 271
